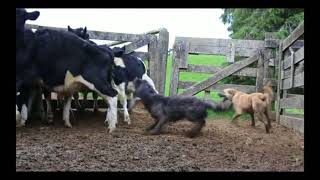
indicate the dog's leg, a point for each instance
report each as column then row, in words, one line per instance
column 235, row 117
column 268, row 119
column 261, row 117
column 252, row 120
column 196, row 129
column 152, row 125
column 156, row 130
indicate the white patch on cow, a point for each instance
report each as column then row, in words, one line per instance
column 66, row 112
column 150, row 81
column 119, row 62
column 70, row 80
column 145, row 67
column 123, row 101
column 112, row 113
column 18, row 115
column 24, row 114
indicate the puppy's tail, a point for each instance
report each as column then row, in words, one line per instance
column 218, row 106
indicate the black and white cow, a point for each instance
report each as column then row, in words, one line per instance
column 82, row 32
column 24, row 68
column 65, row 63
column 127, row 68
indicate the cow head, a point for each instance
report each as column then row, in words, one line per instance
column 118, row 52
column 22, row 16
column 81, row 32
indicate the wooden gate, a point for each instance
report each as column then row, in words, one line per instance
column 291, row 75
column 250, row 51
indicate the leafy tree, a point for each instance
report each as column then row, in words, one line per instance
column 253, row 23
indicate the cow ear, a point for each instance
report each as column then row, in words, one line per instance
column 136, row 81
column 85, row 30
column 33, row 15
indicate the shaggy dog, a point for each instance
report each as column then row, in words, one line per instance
column 170, row 109
column 254, row 104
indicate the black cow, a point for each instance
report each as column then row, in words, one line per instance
column 24, row 68
column 65, row 63
column 127, row 68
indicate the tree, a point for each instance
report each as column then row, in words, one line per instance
column 253, row 23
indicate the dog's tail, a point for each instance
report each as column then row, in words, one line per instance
column 267, row 90
column 218, row 106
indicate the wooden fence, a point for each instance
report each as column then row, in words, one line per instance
column 250, row 51
column 290, row 77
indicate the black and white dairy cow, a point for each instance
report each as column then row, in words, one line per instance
column 64, row 63
column 24, row 68
column 127, row 68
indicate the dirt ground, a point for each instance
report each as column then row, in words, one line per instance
column 222, row 146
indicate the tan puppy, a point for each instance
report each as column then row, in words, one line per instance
column 254, row 104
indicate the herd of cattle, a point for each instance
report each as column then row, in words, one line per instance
column 67, row 62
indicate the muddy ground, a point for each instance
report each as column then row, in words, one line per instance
column 222, row 146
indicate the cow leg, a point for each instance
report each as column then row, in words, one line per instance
column 47, row 96
column 95, row 101
column 111, row 117
column 105, row 90
column 112, row 112
column 18, row 115
column 24, row 115
column 66, row 111
column 84, row 101
column 24, row 109
column 76, row 100
column 123, row 101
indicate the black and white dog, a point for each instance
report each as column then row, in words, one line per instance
column 165, row 109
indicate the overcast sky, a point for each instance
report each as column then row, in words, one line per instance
column 179, row 22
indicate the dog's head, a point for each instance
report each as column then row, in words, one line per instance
column 141, row 87
column 230, row 92
column 268, row 84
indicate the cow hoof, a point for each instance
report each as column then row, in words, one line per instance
column 106, row 122
column 67, row 125
column 127, row 119
column 111, row 129
column 21, row 124
column 50, row 121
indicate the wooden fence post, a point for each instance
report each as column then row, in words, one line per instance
column 163, row 43
column 153, row 61
column 180, row 55
column 278, row 110
column 260, row 72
